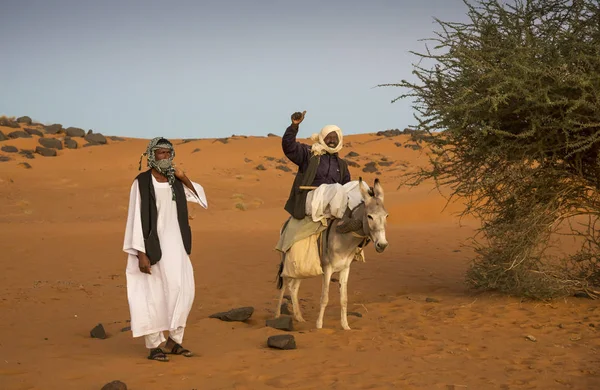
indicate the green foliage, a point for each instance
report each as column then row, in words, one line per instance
column 512, row 107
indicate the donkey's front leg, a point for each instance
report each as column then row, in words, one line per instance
column 294, row 287
column 328, row 271
column 344, row 296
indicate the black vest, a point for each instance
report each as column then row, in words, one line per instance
column 296, row 203
column 149, row 215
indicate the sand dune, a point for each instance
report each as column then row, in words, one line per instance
column 62, row 223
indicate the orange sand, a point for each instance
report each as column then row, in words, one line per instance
column 62, row 273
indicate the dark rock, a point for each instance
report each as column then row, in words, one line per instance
column 269, row 158
column 352, row 154
column 352, row 164
column 241, row 314
column 281, row 323
column 283, row 168
column 51, row 143
column 398, row 144
column 19, row 134
column 9, row 149
column 98, row 332
column 114, row 385
column 4, row 158
column 70, row 144
column 431, row 300
column 389, row 133
column 25, row 165
column 355, row 314
column 126, row 329
column 370, row 167
column 114, row 138
column 247, row 160
column 282, row 341
column 261, row 168
column 96, row 138
column 282, row 161
column 385, row 163
column 24, row 119
column 34, row 132
column 273, row 135
column 45, row 151
column 7, row 122
column 196, row 150
column 3, row 137
column 222, row 140
column 285, row 309
column 53, row 129
column 75, row 132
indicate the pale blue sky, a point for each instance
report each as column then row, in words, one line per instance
column 199, row 69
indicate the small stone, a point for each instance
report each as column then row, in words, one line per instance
column 261, row 167
column 98, row 332
column 75, row 132
column 96, row 138
column 9, row 149
column 24, row 119
column 25, row 165
column 530, row 338
column 4, row 158
column 196, row 150
column 34, row 132
column 51, row 143
column 126, row 329
column 240, row 314
column 352, row 154
column 398, row 144
column 285, row 309
column 352, row 164
column 283, row 168
column 70, row 143
column 561, row 326
column 45, row 151
column 53, row 129
column 281, row 323
column 282, row 341
column 355, row 314
column 370, row 167
column 114, row 385
column 273, row 135
column 432, row 300
column 247, row 160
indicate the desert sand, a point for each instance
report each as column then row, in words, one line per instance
column 62, row 222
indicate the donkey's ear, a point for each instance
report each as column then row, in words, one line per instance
column 364, row 192
column 378, row 190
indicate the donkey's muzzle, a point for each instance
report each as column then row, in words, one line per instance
column 380, row 246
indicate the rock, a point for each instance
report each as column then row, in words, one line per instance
column 114, row 385
column 4, row 158
column 261, row 168
column 352, row 154
column 3, row 137
column 70, row 144
column 370, row 167
column 282, row 161
column 114, row 138
column 75, row 132
column 431, row 300
column 51, row 143
column 25, row 165
column 196, row 150
column 269, row 158
column 385, row 163
column 247, row 160
column 398, row 144
column 33, row 132
column 282, row 341
column 283, row 168
column 581, row 294
column 389, row 133
column 285, row 309
column 241, row 314
column 19, row 134
column 7, row 122
column 9, row 149
column 53, row 129
column 413, row 146
column 98, row 332
column 355, row 314
column 222, row 140
column 273, row 135
column 95, row 138
column 126, row 329
column 352, row 164
column 281, row 323
column 27, row 153
column 45, row 151
column 24, row 119
column 530, row 338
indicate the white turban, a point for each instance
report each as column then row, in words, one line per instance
column 320, row 147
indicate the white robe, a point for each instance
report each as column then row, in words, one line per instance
column 160, row 301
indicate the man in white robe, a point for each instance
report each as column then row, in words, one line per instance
column 161, row 294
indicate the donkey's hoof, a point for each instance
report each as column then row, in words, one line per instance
column 346, row 327
column 319, row 324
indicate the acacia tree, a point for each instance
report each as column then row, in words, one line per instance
column 511, row 106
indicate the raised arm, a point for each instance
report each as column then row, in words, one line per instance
column 297, row 152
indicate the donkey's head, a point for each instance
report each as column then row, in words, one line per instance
column 375, row 217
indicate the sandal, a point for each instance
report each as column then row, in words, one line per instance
column 179, row 350
column 158, row 354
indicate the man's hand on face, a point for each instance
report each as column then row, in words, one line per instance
column 298, row 117
column 179, row 172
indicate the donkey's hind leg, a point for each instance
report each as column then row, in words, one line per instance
column 294, row 285
column 280, row 300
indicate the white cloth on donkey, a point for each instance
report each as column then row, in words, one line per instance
column 332, row 200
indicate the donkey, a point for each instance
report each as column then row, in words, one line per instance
column 365, row 223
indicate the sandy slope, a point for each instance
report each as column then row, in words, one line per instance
column 62, row 273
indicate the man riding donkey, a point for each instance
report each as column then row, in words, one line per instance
column 319, row 194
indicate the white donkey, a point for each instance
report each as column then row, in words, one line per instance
column 365, row 223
